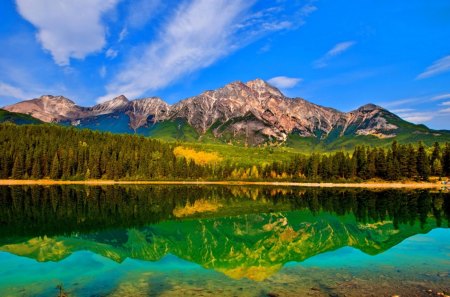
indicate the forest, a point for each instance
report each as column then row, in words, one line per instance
column 54, row 152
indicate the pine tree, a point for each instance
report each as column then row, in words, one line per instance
column 55, row 170
column 17, row 170
column 436, row 155
column 412, row 162
column 446, row 160
column 36, row 170
column 360, row 157
column 423, row 167
column 381, row 163
column 437, row 167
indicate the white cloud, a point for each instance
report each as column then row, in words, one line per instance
column 417, row 117
column 441, row 97
column 284, row 82
column 123, row 34
column 111, row 53
column 445, row 110
column 446, row 103
column 194, row 37
column 335, row 51
column 66, row 28
column 307, row 9
column 140, row 12
column 8, row 90
column 438, row 67
column 402, row 110
column 400, row 102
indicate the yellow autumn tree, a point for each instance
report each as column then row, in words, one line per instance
column 199, row 157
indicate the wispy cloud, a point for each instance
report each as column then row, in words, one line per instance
column 8, row 90
column 417, row 117
column 438, row 67
column 111, row 53
column 400, row 102
column 197, row 34
column 123, row 34
column 440, row 97
column 402, row 110
column 284, row 82
column 67, row 29
column 307, row 9
column 140, row 12
column 413, row 101
column 335, row 51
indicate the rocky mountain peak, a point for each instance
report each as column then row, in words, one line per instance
column 117, row 101
column 116, row 104
column 120, row 98
column 369, row 108
column 262, row 87
column 148, row 101
column 56, row 99
column 46, row 108
column 150, row 105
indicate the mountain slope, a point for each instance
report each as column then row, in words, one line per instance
column 251, row 113
column 17, row 118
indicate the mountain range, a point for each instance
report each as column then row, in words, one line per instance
column 251, row 113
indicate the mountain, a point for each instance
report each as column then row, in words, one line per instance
column 250, row 113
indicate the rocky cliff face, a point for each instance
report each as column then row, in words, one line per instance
column 140, row 110
column 255, row 112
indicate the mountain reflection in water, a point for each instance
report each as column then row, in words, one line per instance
column 242, row 232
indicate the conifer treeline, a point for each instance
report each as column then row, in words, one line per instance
column 64, row 153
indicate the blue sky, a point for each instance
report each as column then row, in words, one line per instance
column 340, row 53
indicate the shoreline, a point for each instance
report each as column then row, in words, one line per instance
column 372, row 185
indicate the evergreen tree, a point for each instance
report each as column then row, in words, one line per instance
column 36, row 170
column 423, row 167
column 18, row 170
column 412, row 162
column 446, row 160
column 55, row 168
column 435, row 160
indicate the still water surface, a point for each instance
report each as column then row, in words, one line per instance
column 222, row 241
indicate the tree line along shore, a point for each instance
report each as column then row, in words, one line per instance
column 50, row 152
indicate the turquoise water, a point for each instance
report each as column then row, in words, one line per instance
column 219, row 241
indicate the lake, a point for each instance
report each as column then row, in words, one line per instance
column 222, row 241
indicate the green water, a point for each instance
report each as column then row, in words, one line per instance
column 222, row 241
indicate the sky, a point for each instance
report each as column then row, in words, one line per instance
column 336, row 53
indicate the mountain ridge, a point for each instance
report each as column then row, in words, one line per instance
column 253, row 113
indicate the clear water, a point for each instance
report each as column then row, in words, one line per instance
column 222, row 241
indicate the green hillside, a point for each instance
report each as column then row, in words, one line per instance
column 17, row 118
